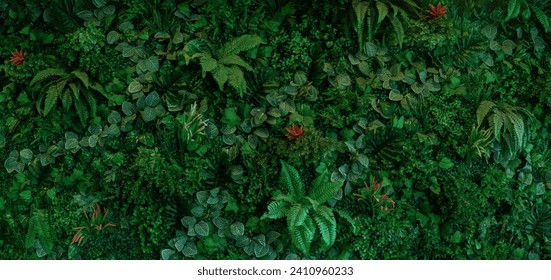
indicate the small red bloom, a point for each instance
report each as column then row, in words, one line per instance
column 17, row 57
column 437, row 11
column 295, row 132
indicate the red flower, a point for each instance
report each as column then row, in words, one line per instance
column 295, row 132
column 437, row 11
column 17, row 57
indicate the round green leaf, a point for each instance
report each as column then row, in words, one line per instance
column 134, row 87
column 114, row 117
column 10, row 164
column 180, row 243
column 152, row 64
column 128, row 108
column 202, row 228
column 148, row 114
column 190, row 249
column 71, row 144
column 152, row 99
column 112, row 37
column 188, row 221
column 395, row 95
column 167, row 253
column 237, row 228
column 26, row 155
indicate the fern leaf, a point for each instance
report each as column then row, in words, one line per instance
column 398, row 29
column 208, row 64
column 517, row 128
column 240, row 44
column 31, row 232
column 83, row 77
column 44, row 232
column 302, row 236
column 296, row 215
column 382, row 10
column 346, row 216
column 52, row 95
column 66, row 100
column 542, row 18
column 360, row 10
column 221, row 76
column 483, row 109
column 82, row 111
column 290, row 178
column 235, row 60
column 92, row 105
column 325, row 191
column 276, row 209
column 496, row 123
column 46, row 74
column 236, row 78
column 327, row 226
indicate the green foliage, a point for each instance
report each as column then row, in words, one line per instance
column 225, row 64
column 56, row 85
column 370, row 15
column 187, row 168
column 507, row 126
column 306, row 214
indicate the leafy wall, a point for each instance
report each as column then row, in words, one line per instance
column 275, row 129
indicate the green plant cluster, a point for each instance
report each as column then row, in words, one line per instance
column 373, row 129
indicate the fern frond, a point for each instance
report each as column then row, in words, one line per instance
column 221, row 76
column 398, row 29
column 52, row 95
column 517, row 128
column 31, row 232
column 327, row 225
column 542, row 18
column 291, row 179
column 46, row 74
column 325, row 191
column 302, row 236
column 382, row 11
column 240, row 44
column 235, row 60
column 236, row 79
column 208, row 64
column 276, row 209
column 82, row 111
column 496, row 123
column 92, row 105
column 39, row 227
column 483, row 109
column 346, row 216
column 44, row 231
column 296, row 215
column 66, row 100
column 83, row 77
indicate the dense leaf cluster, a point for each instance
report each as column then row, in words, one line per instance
column 275, row 129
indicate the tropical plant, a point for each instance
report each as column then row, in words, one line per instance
column 225, row 64
column 305, row 212
column 73, row 89
column 507, row 125
column 370, row 14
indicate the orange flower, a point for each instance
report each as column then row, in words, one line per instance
column 17, row 57
column 295, row 132
column 437, row 11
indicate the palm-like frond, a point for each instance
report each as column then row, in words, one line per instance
column 240, row 44
column 291, row 179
